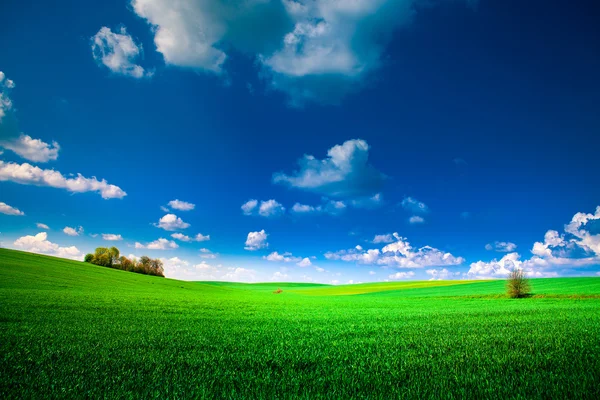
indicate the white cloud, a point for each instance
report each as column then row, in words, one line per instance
column 249, row 207
column 583, row 238
column 42, row 226
column 118, row 52
column 184, row 238
column 414, row 206
column 279, row 276
column 239, row 275
column 5, row 101
column 305, row 262
column 345, row 172
column 256, row 240
column 40, row 244
column 190, row 34
column 31, row 149
column 401, row 275
column 181, row 205
column 415, row 219
column 387, row 238
column 27, row 174
column 171, row 222
column 285, row 257
column 159, row 244
column 503, row 247
column 495, row 268
column 73, row 231
column 372, row 273
column 268, row 208
column 111, row 237
column 319, row 269
column 9, row 210
column 331, row 207
column 399, row 254
column 442, row 274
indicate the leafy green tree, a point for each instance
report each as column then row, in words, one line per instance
column 89, row 258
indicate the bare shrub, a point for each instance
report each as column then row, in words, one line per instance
column 517, row 285
column 278, row 291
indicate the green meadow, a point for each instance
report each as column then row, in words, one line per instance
column 75, row 330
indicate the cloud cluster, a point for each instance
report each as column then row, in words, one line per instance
column 40, row 244
column 73, row 231
column 268, row 208
column 27, row 174
column 502, row 247
column 183, row 270
column 345, row 172
column 288, row 258
column 111, row 237
column 5, row 101
column 317, row 50
column 398, row 254
column 181, row 205
column 118, row 52
column 184, row 238
column 256, row 240
column 171, row 222
column 159, row 244
column 9, row 210
column 31, row 149
column 578, row 246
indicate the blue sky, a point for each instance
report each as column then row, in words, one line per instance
column 334, row 142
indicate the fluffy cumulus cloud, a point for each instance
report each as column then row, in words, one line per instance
column 118, row 52
column 401, row 275
column 159, row 244
column 387, row 238
column 9, row 210
column 256, row 240
column 31, row 149
column 42, row 226
column 578, row 246
column 398, row 254
column 27, row 174
column 345, row 172
column 442, row 274
column 40, row 244
column 171, row 222
column 184, row 238
column 266, row 208
column 317, row 50
column 288, row 258
column 111, row 237
column 503, row 247
column 5, row 101
column 181, row 205
column 180, row 269
column 73, row 231
column 192, row 34
column 331, row 207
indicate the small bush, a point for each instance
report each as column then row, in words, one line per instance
column 278, row 291
column 517, row 285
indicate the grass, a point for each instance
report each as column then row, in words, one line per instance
column 77, row 330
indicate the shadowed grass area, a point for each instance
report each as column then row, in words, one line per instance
column 77, row 330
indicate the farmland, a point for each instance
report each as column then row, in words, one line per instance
column 71, row 329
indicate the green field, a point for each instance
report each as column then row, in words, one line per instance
column 71, row 329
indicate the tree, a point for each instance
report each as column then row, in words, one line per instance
column 113, row 252
column 517, row 285
column 89, row 258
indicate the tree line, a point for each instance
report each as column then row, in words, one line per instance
column 111, row 258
